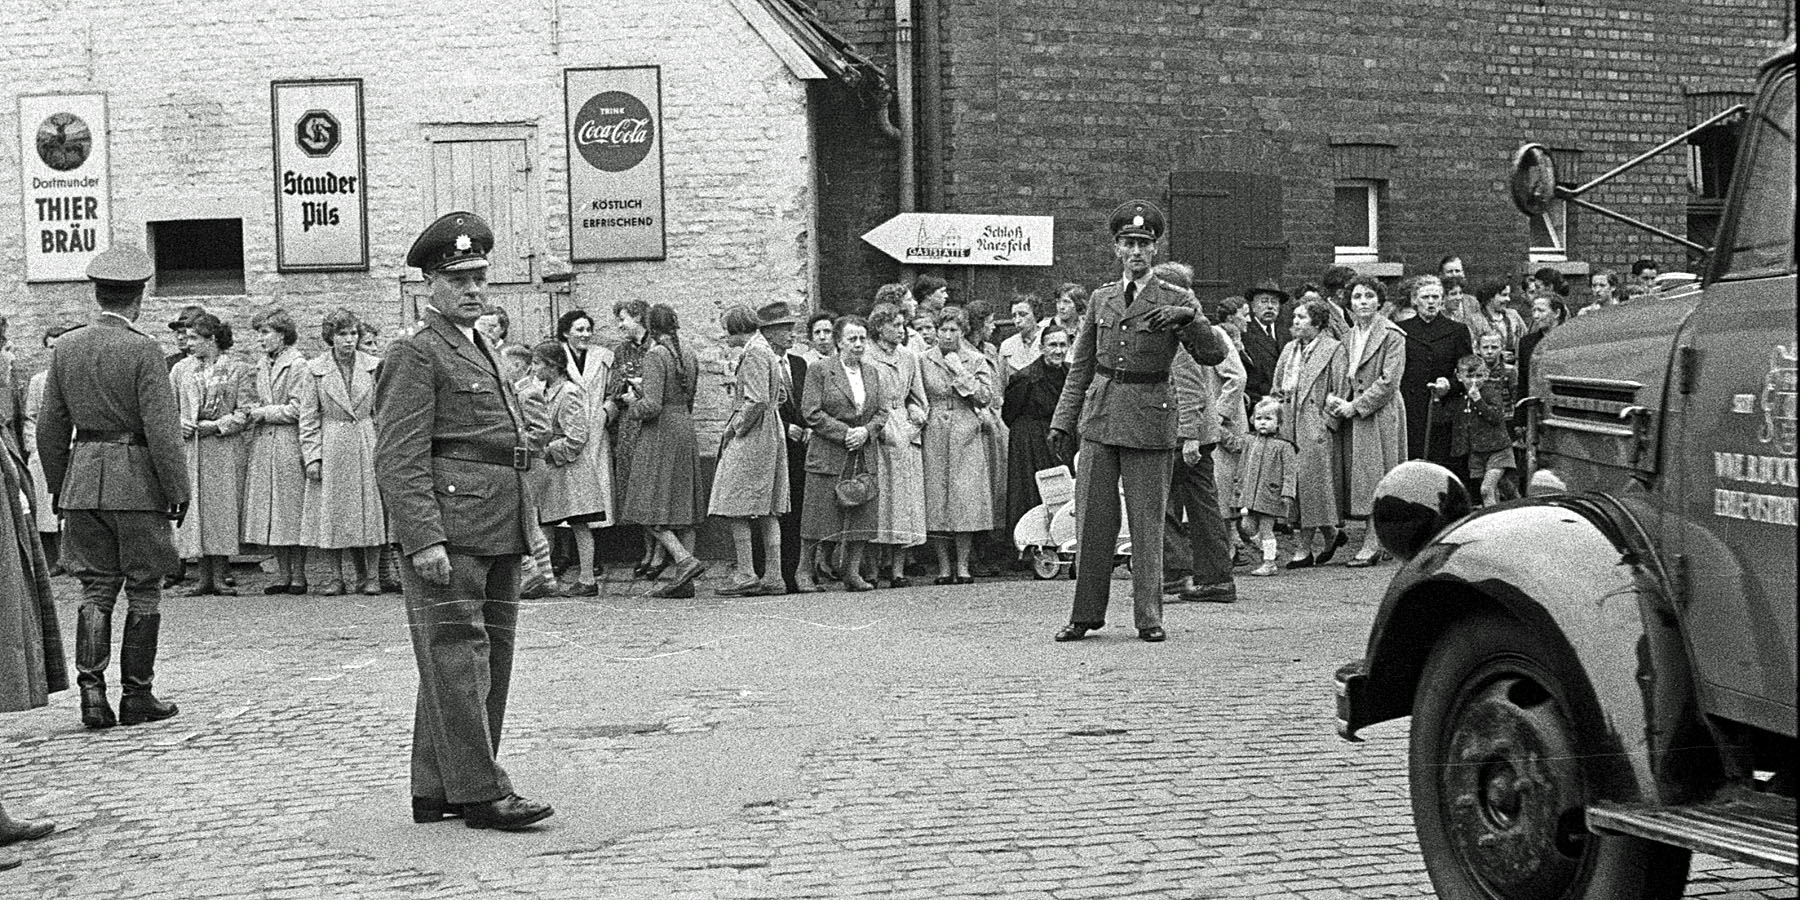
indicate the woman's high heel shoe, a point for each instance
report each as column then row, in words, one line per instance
column 1305, row 562
column 1332, row 550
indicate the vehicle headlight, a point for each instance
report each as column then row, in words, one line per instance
column 1413, row 502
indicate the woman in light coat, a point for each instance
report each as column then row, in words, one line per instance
column 750, row 484
column 1372, row 431
column 275, row 477
column 49, row 524
column 1305, row 381
column 590, row 367
column 565, row 483
column 900, row 506
column 337, row 442
column 214, row 393
column 958, row 452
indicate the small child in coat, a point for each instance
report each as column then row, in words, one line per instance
column 1478, row 427
column 1267, row 479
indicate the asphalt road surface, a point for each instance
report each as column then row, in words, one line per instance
column 922, row 743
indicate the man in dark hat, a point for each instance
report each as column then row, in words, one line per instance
column 452, row 457
column 1128, row 427
column 109, row 435
column 180, row 325
column 1264, row 338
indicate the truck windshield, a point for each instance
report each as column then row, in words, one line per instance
column 1763, row 240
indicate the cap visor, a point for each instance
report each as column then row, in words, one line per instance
column 464, row 265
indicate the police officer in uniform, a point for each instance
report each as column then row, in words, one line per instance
column 1118, row 392
column 451, row 457
column 109, row 435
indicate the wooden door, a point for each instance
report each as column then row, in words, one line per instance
column 1227, row 225
column 492, row 179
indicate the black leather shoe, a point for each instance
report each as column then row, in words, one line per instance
column 1305, row 562
column 431, row 809
column 1337, row 544
column 509, row 813
column 17, row 830
column 1074, row 631
column 1152, row 635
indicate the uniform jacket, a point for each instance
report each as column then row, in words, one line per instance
column 831, row 412
column 1118, row 337
column 109, row 376
column 437, row 385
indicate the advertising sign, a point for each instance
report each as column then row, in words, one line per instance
column 67, row 184
column 321, row 202
column 955, row 239
column 615, row 138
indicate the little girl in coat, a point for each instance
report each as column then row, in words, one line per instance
column 1267, row 479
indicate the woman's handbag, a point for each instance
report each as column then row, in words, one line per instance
column 856, row 485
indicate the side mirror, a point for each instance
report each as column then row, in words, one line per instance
column 1413, row 502
column 1533, row 179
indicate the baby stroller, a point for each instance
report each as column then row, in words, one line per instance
column 1046, row 535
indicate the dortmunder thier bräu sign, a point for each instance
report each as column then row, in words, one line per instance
column 615, row 138
column 67, row 196
column 321, row 197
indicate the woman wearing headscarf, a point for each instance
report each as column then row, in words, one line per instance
column 1372, row 432
column 214, row 393
column 343, row 510
column 1030, row 401
column 750, row 484
column 900, row 505
column 1305, row 381
column 1434, row 342
column 275, row 478
column 665, row 492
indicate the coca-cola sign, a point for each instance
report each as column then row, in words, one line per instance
column 614, row 131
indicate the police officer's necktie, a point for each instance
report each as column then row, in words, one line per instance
column 1130, row 292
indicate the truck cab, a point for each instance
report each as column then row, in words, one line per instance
column 1601, row 676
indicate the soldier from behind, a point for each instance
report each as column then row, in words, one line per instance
column 452, row 457
column 1118, row 398
column 109, row 436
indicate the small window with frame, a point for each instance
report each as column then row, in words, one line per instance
column 1550, row 234
column 198, row 257
column 1356, row 227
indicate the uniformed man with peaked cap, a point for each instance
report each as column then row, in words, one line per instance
column 1119, row 399
column 451, row 457
column 109, row 436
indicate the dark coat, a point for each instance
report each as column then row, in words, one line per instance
column 1432, row 349
column 1260, row 354
column 831, row 412
column 1115, row 335
column 436, row 385
column 1030, row 401
column 109, row 376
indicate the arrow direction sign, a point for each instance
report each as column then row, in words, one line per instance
column 955, row 239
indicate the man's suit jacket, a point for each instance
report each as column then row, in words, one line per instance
column 1116, row 336
column 436, row 385
column 109, row 376
column 1260, row 355
column 831, row 411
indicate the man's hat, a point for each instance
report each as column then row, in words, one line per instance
column 777, row 313
column 188, row 314
column 121, row 265
column 1265, row 286
column 456, row 242
column 1138, row 218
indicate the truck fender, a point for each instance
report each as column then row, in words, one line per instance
column 1580, row 571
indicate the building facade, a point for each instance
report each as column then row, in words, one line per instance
column 1288, row 135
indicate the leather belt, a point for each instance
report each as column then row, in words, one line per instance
column 487, row 454
column 1124, row 377
column 96, row 436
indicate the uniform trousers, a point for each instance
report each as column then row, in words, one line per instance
column 462, row 635
column 109, row 549
column 1144, row 474
column 1200, row 546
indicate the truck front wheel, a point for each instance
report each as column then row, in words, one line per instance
column 1500, row 772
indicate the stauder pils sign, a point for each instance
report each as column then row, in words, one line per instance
column 321, row 202
column 67, row 184
column 615, row 137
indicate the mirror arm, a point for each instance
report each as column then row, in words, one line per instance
column 1737, row 110
column 1570, row 196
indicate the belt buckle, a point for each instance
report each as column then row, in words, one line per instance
column 521, row 458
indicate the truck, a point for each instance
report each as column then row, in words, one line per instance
column 1600, row 675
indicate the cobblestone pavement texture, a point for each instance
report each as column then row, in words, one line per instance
column 922, row 743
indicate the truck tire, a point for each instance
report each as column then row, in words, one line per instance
column 1500, row 763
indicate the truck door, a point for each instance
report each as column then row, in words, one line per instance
column 1732, row 516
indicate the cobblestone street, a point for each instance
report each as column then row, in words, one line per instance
column 926, row 743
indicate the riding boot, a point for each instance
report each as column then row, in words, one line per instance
column 137, row 669
column 93, row 650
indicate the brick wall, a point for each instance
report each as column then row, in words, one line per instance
column 1066, row 107
column 188, row 98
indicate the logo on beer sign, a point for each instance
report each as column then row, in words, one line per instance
column 614, row 131
column 317, row 132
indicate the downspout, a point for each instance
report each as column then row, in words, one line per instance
column 930, row 106
column 903, row 86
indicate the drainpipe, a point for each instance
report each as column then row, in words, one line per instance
column 903, row 86
column 930, row 106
